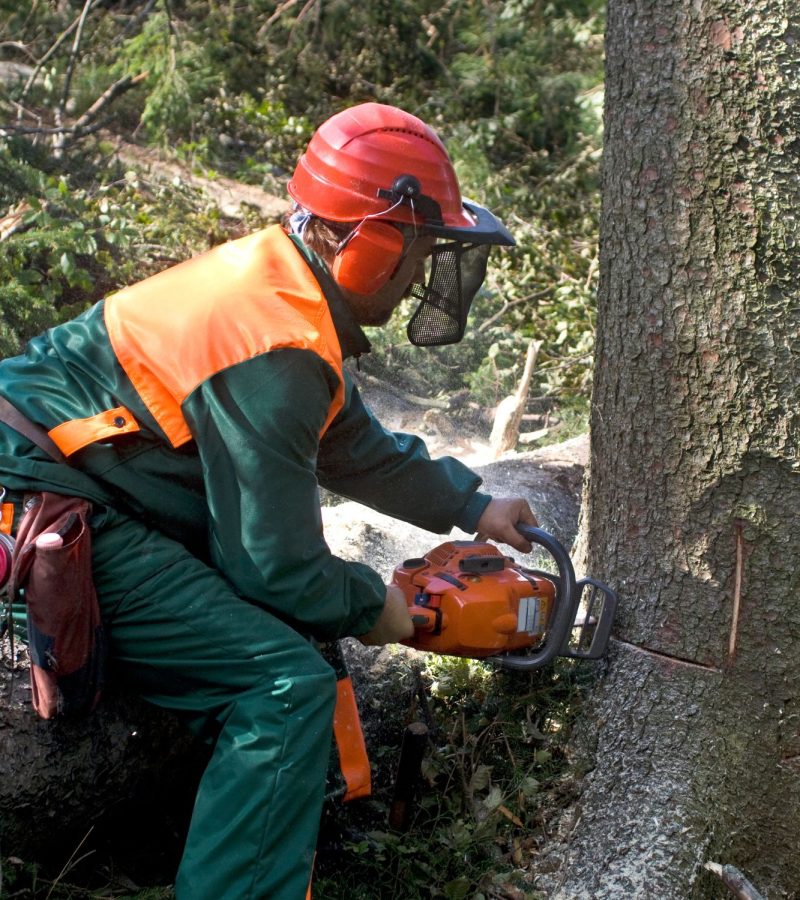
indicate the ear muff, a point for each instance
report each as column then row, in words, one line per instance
column 367, row 260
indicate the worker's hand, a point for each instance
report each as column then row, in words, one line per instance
column 394, row 623
column 500, row 518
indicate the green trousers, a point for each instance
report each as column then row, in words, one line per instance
column 184, row 640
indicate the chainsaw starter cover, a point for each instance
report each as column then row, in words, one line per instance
column 467, row 599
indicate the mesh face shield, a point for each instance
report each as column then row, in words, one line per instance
column 456, row 272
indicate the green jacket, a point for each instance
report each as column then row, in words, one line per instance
column 234, row 473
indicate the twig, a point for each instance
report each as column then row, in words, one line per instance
column 18, row 45
column 732, row 878
column 530, row 437
column 508, row 748
column 279, row 11
column 134, row 21
column 34, row 129
column 71, row 863
column 537, row 295
column 569, row 166
column 53, row 47
column 73, row 56
column 305, row 10
column 594, row 264
column 14, row 220
column 119, row 87
column 300, row 16
column 84, row 125
column 568, row 363
column 24, row 111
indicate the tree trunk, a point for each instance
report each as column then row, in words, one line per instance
column 695, row 482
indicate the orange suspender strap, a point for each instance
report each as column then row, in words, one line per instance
column 72, row 436
column 353, row 759
column 6, row 518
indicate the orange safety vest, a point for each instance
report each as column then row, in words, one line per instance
column 174, row 330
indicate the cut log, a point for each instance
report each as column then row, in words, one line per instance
column 128, row 767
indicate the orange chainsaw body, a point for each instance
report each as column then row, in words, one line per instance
column 467, row 599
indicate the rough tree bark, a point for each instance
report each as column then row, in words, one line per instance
column 695, row 481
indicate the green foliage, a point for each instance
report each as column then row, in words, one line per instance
column 494, row 775
column 180, row 74
column 513, row 87
column 77, row 243
column 57, row 258
column 251, row 139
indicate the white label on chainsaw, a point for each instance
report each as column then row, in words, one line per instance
column 528, row 615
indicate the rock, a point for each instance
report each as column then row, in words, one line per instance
column 14, row 72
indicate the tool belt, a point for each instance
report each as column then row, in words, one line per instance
column 51, row 571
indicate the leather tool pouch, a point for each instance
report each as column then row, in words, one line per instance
column 66, row 642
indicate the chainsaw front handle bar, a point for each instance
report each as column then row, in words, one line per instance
column 593, row 632
column 566, row 605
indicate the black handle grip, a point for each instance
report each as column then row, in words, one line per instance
column 566, row 605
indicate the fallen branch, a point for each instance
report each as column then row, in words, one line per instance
column 39, row 65
column 73, row 57
column 508, row 417
column 87, row 123
column 18, row 45
column 33, row 129
column 13, row 220
column 530, row 437
column 109, row 95
column 279, row 11
column 305, row 11
column 732, row 878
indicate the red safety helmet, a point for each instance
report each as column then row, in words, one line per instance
column 354, row 159
column 376, row 163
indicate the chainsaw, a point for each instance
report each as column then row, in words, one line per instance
column 467, row 599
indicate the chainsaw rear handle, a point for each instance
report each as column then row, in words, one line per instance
column 426, row 619
column 566, row 605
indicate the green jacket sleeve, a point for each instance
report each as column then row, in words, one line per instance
column 257, row 429
column 393, row 473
